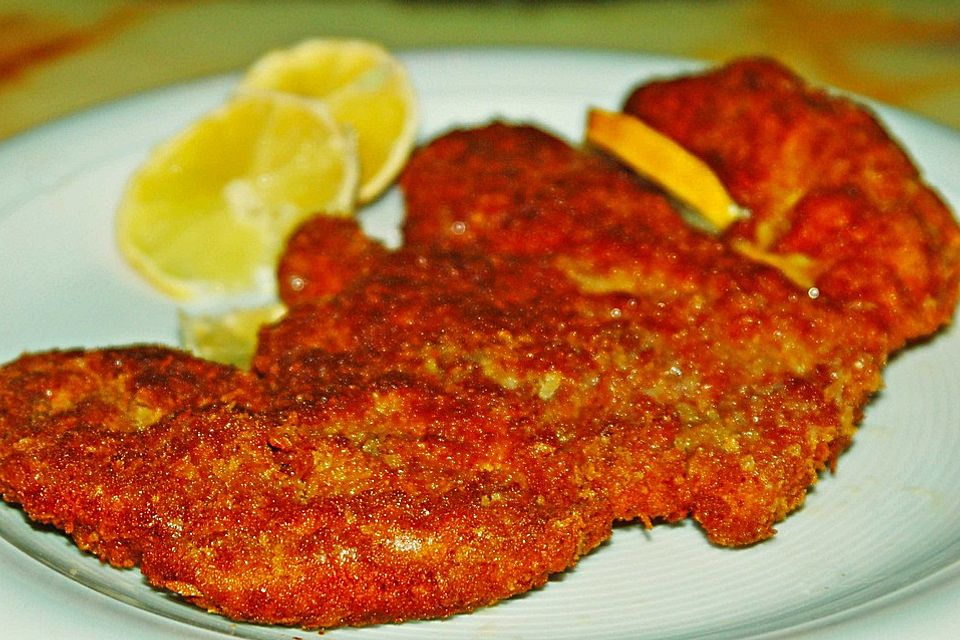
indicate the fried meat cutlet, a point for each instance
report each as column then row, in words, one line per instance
column 74, row 437
column 728, row 383
column 881, row 248
column 385, row 502
column 432, row 429
column 825, row 183
column 466, row 325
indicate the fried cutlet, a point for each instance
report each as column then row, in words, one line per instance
column 436, row 428
column 74, row 437
column 728, row 377
column 825, row 183
column 390, row 501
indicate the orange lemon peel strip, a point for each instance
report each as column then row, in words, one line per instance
column 663, row 161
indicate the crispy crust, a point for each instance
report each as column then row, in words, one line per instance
column 750, row 364
column 434, row 429
column 72, row 428
column 823, row 179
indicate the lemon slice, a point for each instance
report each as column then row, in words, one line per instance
column 207, row 213
column 364, row 87
column 665, row 162
column 230, row 337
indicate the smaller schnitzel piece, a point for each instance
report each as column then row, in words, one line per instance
column 826, row 185
column 882, row 250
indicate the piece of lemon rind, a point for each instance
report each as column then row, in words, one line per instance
column 664, row 161
column 281, row 60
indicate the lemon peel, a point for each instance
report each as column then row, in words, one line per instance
column 663, row 161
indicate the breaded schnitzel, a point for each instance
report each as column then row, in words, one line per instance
column 823, row 181
column 727, row 378
column 436, row 428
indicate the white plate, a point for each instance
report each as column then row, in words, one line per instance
column 874, row 553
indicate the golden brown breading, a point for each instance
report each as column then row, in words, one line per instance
column 515, row 331
column 749, row 361
column 727, row 380
column 436, row 428
column 69, row 421
column 823, row 180
column 319, row 261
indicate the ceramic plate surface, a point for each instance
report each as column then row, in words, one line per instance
column 874, row 553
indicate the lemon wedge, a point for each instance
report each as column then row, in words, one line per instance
column 208, row 212
column 364, row 87
column 229, row 337
column 662, row 160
